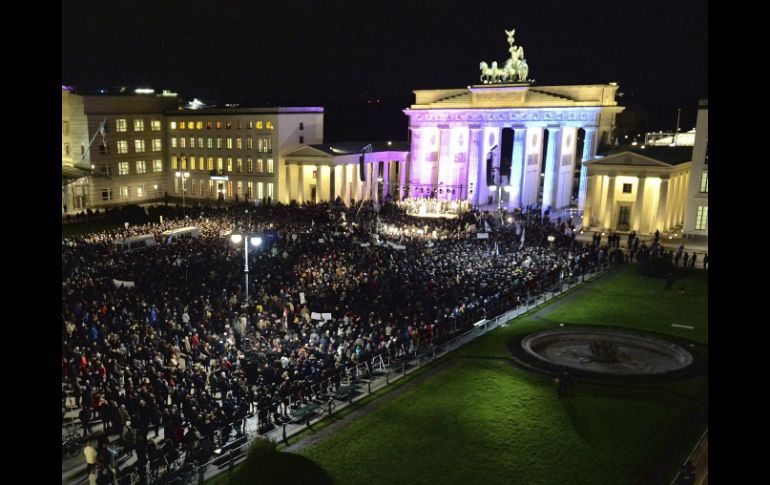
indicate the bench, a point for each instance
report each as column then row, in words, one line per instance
column 304, row 413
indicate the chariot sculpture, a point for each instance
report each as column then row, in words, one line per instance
column 514, row 70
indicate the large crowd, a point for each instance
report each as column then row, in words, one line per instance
column 183, row 354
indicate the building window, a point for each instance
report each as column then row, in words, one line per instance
column 239, row 143
column 141, row 167
column 249, row 189
column 67, row 149
column 249, row 143
column 199, row 125
column 181, row 125
column 220, row 164
column 239, row 188
column 201, row 163
column 121, row 125
column 156, row 145
column 259, row 127
column 182, row 142
column 627, row 188
column 173, row 142
column 103, row 149
column 155, row 125
column 301, row 125
column 239, row 126
column 123, row 168
column 219, row 125
column 704, row 183
column 269, row 165
column 124, row 192
column 174, row 163
column 140, row 192
column 239, row 165
column 65, row 128
column 210, row 143
column 219, row 142
column 190, row 125
column 210, row 162
column 176, row 185
column 269, row 125
column 260, row 190
column 106, row 194
column 183, row 162
column 192, row 142
column 192, row 163
column 270, row 190
column 250, row 125
column 228, row 124
column 122, row 146
column 302, row 139
column 138, row 125
column 249, row 165
column 208, row 127
column 701, row 218
column 172, row 125
column 229, row 164
column 139, row 146
column 229, row 143
column 200, row 142
column 260, row 166
column 157, row 165
column 104, row 169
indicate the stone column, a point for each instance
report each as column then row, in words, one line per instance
column 551, row 183
column 344, row 183
column 673, row 201
column 301, row 188
column 474, row 175
column 386, row 179
column 590, row 188
column 332, row 188
column 443, row 174
column 599, row 200
column 589, row 152
column 609, row 223
column 636, row 220
column 660, row 219
column 517, row 167
column 403, row 168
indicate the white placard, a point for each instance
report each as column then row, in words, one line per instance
column 302, row 300
column 315, row 316
column 482, row 235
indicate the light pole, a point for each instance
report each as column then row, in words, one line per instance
column 499, row 185
column 183, row 176
column 247, row 238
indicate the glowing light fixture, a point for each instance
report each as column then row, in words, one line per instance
column 144, row 91
column 256, row 241
column 236, row 238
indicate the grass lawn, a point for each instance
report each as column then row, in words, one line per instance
column 484, row 420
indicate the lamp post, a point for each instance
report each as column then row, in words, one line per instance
column 183, row 176
column 246, row 237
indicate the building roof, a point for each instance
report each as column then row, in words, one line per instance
column 349, row 148
column 239, row 111
column 672, row 156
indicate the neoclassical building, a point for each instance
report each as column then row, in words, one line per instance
column 637, row 189
column 534, row 129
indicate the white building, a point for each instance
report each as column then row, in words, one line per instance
column 238, row 153
column 696, row 223
column 323, row 172
column 75, row 157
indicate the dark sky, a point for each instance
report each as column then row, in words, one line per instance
column 341, row 54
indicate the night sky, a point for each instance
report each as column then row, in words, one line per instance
column 346, row 55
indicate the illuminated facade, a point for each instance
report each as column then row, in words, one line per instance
column 454, row 131
column 696, row 224
column 237, row 152
column 323, row 172
column 75, row 156
column 631, row 191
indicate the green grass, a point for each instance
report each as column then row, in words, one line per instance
column 483, row 420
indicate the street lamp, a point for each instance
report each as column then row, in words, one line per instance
column 183, row 176
column 247, row 238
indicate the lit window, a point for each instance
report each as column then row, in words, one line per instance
column 182, row 125
column 701, row 218
column 201, row 163
column 220, row 164
column 139, row 146
column 270, row 190
column 124, row 192
column 219, row 142
column 173, row 142
column 229, row 164
column 250, row 125
column 239, row 165
column 192, row 142
column 229, row 143
column 183, row 161
column 138, row 125
column 249, row 189
column 174, row 163
column 156, row 145
column 704, row 183
column 219, row 125
column 122, row 146
column 192, row 163
column 157, row 165
column 172, row 125
column 260, row 190
column 182, row 142
column 141, row 166
column 239, row 143
column 627, row 188
column 260, row 166
column 210, row 162
column 259, row 125
column 121, row 125
column 200, row 142
column 249, row 143
column 208, row 125
column 249, row 165
column 155, row 125
column 140, row 191
column 199, row 125
column 269, row 125
column 210, row 143
column 228, row 124
column 190, row 125
column 269, row 165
